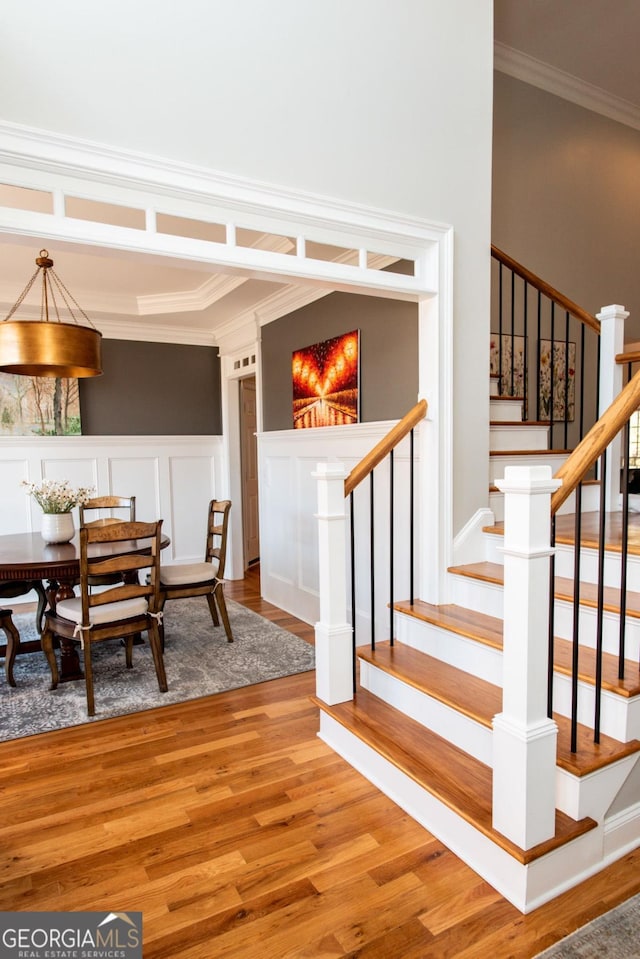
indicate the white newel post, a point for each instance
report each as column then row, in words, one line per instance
column 524, row 738
column 334, row 669
column 611, row 375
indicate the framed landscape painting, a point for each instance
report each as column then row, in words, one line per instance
column 326, row 382
column 39, row 405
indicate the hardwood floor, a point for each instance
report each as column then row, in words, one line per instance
column 238, row 833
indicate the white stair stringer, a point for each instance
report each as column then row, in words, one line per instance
column 592, row 795
column 526, row 886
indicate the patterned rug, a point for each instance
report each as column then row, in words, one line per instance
column 615, row 935
column 198, row 660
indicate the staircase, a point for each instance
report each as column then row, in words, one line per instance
column 420, row 725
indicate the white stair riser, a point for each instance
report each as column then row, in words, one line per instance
column 589, row 567
column 488, row 598
column 498, row 463
column 518, row 437
column 493, row 386
column 509, row 411
column 619, row 716
column 465, row 654
column 588, row 627
column 452, row 725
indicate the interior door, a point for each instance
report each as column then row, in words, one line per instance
column 249, row 465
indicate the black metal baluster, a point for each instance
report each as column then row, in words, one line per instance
column 538, row 358
column 372, row 558
column 513, row 339
column 566, row 380
column 525, row 371
column 501, row 384
column 582, row 333
column 624, row 552
column 600, row 608
column 576, row 620
column 552, row 611
column 411, row 519
column 391, row 537
column 551, row 372
column 352, row 537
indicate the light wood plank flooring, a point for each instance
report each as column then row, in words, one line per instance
column 238, row 833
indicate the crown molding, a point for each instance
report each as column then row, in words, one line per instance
column 213, row 289
column 291, row 298
column 565, row 85
column 141, row 332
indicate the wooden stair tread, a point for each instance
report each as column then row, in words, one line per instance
column 457, row 619
column 455, row 778
column 488, row 630
column 467, row 694
column 512, row 423
column 481, row 701
column 529, row 452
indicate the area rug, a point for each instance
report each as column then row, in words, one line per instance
column 615, row 935
column 198, row 660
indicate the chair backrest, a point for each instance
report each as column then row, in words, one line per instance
column 217, row 530
column 125, row 549
column 126, row 504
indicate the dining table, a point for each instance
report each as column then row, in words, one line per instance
column 26, row 557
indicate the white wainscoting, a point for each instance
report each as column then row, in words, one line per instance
column 172, row 477
column 288, row 525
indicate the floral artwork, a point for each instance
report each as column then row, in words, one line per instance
column 38, row 405
column 512, row 362
column 326, row 382
column 564, row 386
column 563, row 373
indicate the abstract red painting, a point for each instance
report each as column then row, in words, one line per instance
column 326, row 382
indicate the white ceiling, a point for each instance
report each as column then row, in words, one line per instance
column 584, row 45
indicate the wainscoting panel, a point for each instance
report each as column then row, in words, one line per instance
column 288, row 524
column 172, row 478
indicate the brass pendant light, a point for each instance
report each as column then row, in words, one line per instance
column 48, row 347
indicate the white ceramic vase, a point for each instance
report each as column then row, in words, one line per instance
column 57, row 527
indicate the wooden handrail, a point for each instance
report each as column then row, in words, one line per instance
column 574, row 469
column 587, row 318
column 622, row 358
column 386, row 444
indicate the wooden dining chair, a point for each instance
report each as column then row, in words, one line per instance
column 99, row 511
column 12, row 638
column 206, row 578
column 20, row 587
column 122, row 611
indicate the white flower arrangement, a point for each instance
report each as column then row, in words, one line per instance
column 57, row 496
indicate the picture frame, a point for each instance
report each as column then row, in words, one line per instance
column 560, row 369
column 39, row 406
column 326, row 382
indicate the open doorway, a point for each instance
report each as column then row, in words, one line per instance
column 249, row 471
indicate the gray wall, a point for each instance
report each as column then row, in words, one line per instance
column 388, row 354
column 566, row 196
column 153, row 389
